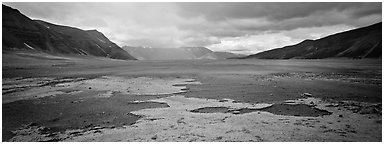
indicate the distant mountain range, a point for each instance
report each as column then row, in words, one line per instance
column 183, row 53
column 362, row 42
column 21, row 32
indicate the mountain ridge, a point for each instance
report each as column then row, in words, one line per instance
column 364, row 42
column 21, row 32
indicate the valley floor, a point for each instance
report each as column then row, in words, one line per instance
column 72, row 98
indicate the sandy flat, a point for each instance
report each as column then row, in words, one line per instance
column 177, row 123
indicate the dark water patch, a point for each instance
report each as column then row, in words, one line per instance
column 278, row 109
column 295, row 110
column 60, row 113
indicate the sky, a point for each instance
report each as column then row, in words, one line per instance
column 244, row 27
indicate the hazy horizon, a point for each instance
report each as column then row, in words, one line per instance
column 244, row 28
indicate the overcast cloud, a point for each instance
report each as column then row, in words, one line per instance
column 234, row 27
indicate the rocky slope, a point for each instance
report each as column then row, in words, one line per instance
column 21, row 32
column 362, row 42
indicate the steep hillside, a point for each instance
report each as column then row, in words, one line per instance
column 20, row 32
column 363, row 42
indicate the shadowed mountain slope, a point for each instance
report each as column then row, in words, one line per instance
column 20, row 32
column 362, row 42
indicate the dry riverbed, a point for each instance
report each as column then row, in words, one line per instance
column 166, row 115
column 91, row 99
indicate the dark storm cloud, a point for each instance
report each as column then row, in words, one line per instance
column 279, row 16
column 273, row 11
column 366, row 9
